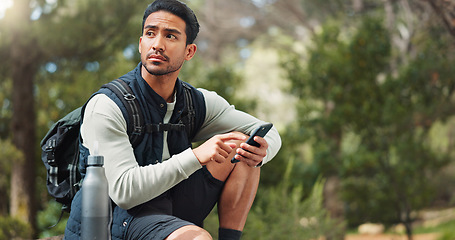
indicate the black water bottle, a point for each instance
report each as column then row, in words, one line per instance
column 96, row 207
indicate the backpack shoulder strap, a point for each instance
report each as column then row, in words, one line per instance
column 191, row 114
column 135, row 117
column 136, row 123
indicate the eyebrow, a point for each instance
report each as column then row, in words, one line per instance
column 171, row 30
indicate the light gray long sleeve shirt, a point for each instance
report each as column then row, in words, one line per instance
column 131, row 184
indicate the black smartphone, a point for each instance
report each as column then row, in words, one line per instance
column 261, row 131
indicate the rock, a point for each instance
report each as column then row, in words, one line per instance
column 399, row 228
column 371, row 228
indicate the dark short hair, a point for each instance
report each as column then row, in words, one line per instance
column 179, row 9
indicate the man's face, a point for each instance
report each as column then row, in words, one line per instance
column 163, row 44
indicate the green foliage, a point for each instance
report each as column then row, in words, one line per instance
column 446, row 230
column 70, row 49
column 81, row 29
column 73, row 82
column 447, row 235
column 11, row 228
column 5, row 107
column 296, row 152
column 9, row 154
column 223, row 79
column 280, row 212
column 50, row 217
column 368, row 126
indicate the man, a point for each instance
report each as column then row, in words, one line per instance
column 163, row 189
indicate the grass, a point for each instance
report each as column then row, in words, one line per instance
column 447, row 230
column 443, row 227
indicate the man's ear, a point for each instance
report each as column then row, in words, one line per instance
column 190, row 51
column 140, row 43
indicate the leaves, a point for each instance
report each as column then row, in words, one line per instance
column 370, row 125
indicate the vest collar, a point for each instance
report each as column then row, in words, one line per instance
column 153, row 98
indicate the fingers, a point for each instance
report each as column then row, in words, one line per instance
column 218, row 148
column 232, row 136
column 263, row 145
column 250, row 159
column 226, row 144
column 252, row 155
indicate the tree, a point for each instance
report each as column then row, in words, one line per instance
column 446, row 12
column 22, row 56
column 370, row 125
column 75, row 31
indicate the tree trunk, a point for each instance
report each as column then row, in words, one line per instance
column 23, row 128
column 23, row 56
column 333, row 203
column 408, row 222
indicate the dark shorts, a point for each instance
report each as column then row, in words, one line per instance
column 188, row 203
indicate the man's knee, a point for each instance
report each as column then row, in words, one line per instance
column 243, row 171
column 190, row 232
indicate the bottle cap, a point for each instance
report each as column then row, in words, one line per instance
column 96, row 160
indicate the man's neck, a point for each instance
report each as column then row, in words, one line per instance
column 163, row 85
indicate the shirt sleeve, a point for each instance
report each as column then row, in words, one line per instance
column 221, row 117
column 129, row 183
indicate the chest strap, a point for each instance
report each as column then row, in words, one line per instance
column 136, row 123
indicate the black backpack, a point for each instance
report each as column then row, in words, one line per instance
column 60, row 146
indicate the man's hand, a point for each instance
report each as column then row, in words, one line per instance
column 252, row 155
column 218, row 147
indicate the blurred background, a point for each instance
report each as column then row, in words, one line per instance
column 362, row 92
